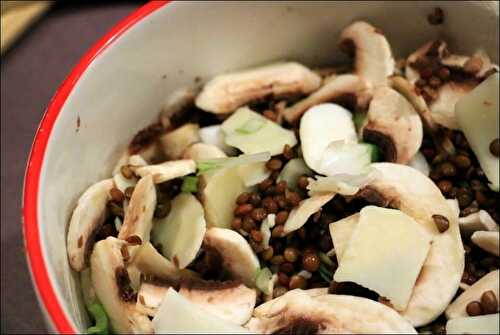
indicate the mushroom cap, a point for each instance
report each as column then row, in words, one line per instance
column 226, row 92
column 416, row 195
column 139, row 214
column 299, row 312
column 393, row 124
column 88, row 216
column 373, row 57
column 458, row 308
column 231, row 301
column 237, row 256
column 105, row 260
column 168, row 170
column 338, row 87
column 488, row 241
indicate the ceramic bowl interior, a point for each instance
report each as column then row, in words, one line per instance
column 122, row 89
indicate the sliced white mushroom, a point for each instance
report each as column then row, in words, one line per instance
column 344, row 86
column 252, row 133
column 299, row 215
column 213, row 135
column 176, row 141
column 419, row 163
column 150, row 262
column 407, row 89
column 489, row 282
column 181, row 232
column 150, row 296
column 178, row 315
column 480, row 220
column 168, row 170
column 394, row 125
column 237, row 256
column 231, row 301
column 219, row 191
column 373, row 57
column 87, row 218
column 139, row 214
column 321, row 125
column 482, row 324
column 296, row 311
column 418, row 196
column 478, row 117
column 106, row 264
column 488, row 241
column 121, row 182
column 226, row 92
column 281, row 301
column 411, row 74
column 199, row 151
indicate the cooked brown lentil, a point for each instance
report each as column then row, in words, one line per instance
column 242, row 210
column 495, row 147
column 311, row 261
column 127, row 172
column 291, row 254
column 297, row 282
column 116, row 195
column 274, row 164
column 489, row 302
column 267, row 254
column 442, row 223
column 281, row 217
column 258, row 214
column 474, row 308
column 243, row 198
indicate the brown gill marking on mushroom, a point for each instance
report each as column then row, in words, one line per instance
column 383, row 141
column 300, row 325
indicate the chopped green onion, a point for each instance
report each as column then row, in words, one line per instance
column 325, row 259
column 358, row 119
column 251, row 126
column 208, row 165
column 264, row 281
column 189, row 184
column 101, row 320
column 325, row 273
column 375, row 153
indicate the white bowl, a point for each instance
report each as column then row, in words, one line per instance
column 119, row 85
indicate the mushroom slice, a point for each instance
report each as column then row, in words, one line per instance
column 321, row 125
column 227, row 92
column 150, row 262
column 219, row 191
column 121, row 182
column 480, row 220
column 458, row 308
column 407, row 89
column 373, row 58
column 176, row 141
column 238, row 257
column 299, row 215
column 181, row 232
column 347, row 86
column 482, row 324
column 109, row 279
column 199, row 151
column 150, row 296
column 231, row 301
column 139, row 214
column 281, row 301
column 416, row 195
column 488, row 241
column 86, row 219
column 168, row 170
column 177, row 315
column 394, row 125
column 297, row 312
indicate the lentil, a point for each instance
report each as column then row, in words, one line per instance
column 434, row 82
column 265, row 184
column 162, row 210
column 291, row 254
column 474, row 308
column 311, row 262
column 236, row 223
column 288, row 152
column 277, row 259
column 442, row 223
column 281, row 187
column 277, row 231
column 293, row 198
column 462, row 162
column 267, row 254
column 248, row 224
column 445, row 186
column 243, row 198
column 281, row 217
column 127, row 172
column 444, row 73
column 448, row 169
column 283, row 279
column 270, row 205
column 274, row 164
column 256, row 235
column 255, row 199
column 116, row 195
column 258, row 214
column 287, row 268
column 242, row 210
column 297, row 282
column 489, row 302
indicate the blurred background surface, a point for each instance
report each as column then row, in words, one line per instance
column 34, row 63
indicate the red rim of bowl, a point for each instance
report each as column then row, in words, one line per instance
column 46, row 293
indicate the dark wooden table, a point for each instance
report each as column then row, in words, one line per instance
column 31, row 71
